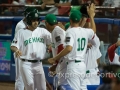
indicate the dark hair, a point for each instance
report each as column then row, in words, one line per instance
column 42, row 26
column 53, row 24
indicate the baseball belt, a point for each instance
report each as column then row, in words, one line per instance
column 32, row 61
column 76, row 61
column 88, row 71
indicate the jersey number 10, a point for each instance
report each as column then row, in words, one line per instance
column 81, row 44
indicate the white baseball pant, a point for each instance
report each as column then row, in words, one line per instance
column 33, row 75
column 75, row 75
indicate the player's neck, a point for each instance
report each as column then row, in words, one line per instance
column 75, row 25
column 31, row 28
column 52, row 28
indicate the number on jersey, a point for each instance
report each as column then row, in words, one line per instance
column 81, row 44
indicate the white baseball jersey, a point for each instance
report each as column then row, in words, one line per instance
column 32, row 43
column 92, row 54
column 20, row 25
column 58, row 37
column 77, row 37
column 116, row 60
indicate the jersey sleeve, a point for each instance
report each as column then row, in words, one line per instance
column 69, row 40
column 90, row 33
column 59, row 37
column 17, row 40
column 98, row 53
column 111, row 52
column 95, row 41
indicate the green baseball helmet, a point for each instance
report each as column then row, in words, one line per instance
column 32, row 16
column 29, row 9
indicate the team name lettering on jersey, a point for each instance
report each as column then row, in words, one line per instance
column 33, row 40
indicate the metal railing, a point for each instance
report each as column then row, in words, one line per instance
column 100, row 9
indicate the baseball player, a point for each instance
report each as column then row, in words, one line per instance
column 92, row 54
column 20, row 25
column 30, row 46
column 114, row 57
column 58, row 41
column 76, row 46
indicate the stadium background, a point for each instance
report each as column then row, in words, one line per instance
column 107, row 30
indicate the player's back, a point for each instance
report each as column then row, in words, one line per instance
column 79, row 37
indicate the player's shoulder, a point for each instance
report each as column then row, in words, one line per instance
column 20, row 31
column 20, row 22
column 43, row 30
column 69, row 30
column 87, row 29
column 59, row 29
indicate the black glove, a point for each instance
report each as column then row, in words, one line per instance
column 83, row 10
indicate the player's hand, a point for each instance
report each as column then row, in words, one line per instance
column 89, row 45
column 53, row 68
column 118, row 43
column 18, row 53
column 91, row 10
column 51, row 60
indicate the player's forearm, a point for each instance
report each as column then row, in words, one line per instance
column 63, row 53
column 13, row 48
column 88, row 24
column 83, row 22
column 111, row 52
column 48, row 2
column 92, row 23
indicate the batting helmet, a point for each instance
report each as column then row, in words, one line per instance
column 32, row 16
column 29, row 9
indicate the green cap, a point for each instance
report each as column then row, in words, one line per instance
column 75, row 7
column 67, row 25
column 75, row 15
column 51, row 19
